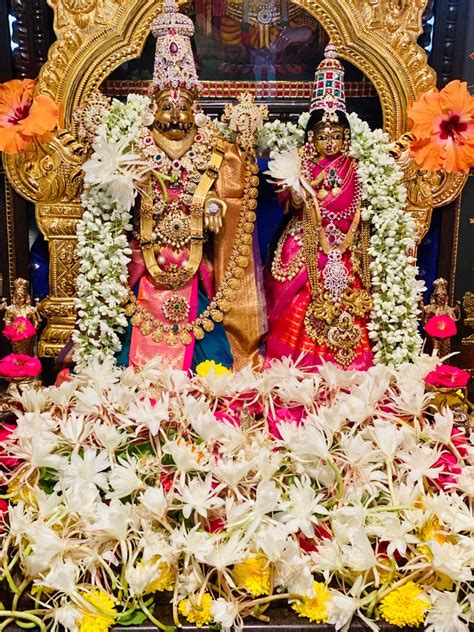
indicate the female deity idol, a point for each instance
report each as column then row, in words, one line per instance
column 318, row 291
column 193, row 272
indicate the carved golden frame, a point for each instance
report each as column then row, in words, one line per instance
column 95, row 36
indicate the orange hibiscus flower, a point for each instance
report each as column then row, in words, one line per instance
column 443, row 126
column 22, row 117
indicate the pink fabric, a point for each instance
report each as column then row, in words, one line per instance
column 143, row 348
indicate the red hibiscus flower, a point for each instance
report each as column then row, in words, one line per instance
column 20, row 329
column 440, row 327
column 447, row 376
column 19, row 365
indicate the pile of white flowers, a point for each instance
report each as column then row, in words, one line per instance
column 327, row 491
column 111, row 177
column 393, row 325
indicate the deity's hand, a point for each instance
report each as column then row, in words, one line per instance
column 214, row 213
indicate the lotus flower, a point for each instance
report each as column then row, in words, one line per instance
column 284, row 170
column 443, row 126
column 22, row 117
column 441, row 326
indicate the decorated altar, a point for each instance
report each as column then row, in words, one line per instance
column 253, row 417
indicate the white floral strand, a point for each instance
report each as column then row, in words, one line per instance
column 393, row 326
column 111, row 177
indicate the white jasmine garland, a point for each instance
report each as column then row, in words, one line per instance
column 111, row 177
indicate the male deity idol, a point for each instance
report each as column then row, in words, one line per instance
column 318, row 291
column 193, row 273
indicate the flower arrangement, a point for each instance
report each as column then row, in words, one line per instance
column 111, row 178
column 24, row 117
column 19, row 330
column 130, row 483
column 443, row 126
column 18, row 365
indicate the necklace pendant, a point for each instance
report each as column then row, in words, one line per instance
column 335, row 276
column 322, row 194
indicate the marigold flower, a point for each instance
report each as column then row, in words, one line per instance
column 198, row 612
column 406, row 605
column 20, row 329
column 204, row 368
column 101, row 620
column 253, row 575
column 441, row 326
column 443, row 126
column 314, row 608
column 22, row 117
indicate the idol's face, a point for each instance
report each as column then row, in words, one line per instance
column 174, row 117
column 328, row 138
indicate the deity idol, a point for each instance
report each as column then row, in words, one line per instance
column 193, row 270
column 318, row 292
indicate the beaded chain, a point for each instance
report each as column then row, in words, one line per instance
column 287, row 272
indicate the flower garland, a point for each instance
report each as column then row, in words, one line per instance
column 340, row 493
column 393, row 325
column 102, row 246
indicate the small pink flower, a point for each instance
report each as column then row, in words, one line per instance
column 20, row 329
column 450, row 463
column 19, row 365
column 440, row 327
column 7, row 461
column 448, row 376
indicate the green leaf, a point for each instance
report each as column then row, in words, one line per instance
column 135, row 618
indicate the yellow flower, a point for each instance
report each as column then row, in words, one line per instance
column 254, row 575
column 19, row 490
column 406, row 605
column 196, row 612
column 101, row 620
column 313, row 608
column 203, row 368
column 431, row 530
column 163, row 581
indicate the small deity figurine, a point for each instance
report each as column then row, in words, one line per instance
column 21, row 307
column 318, row 291
column 193, row 273
column 439, row 318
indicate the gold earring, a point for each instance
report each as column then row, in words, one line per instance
column 310, row 136
column 347, row 142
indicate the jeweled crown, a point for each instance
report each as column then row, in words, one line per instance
column 174, row 62
column 328, row 92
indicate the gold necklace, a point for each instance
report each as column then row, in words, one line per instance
column 180, row 332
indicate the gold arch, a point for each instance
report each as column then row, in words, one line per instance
column 371, row 38
column 95, row 36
